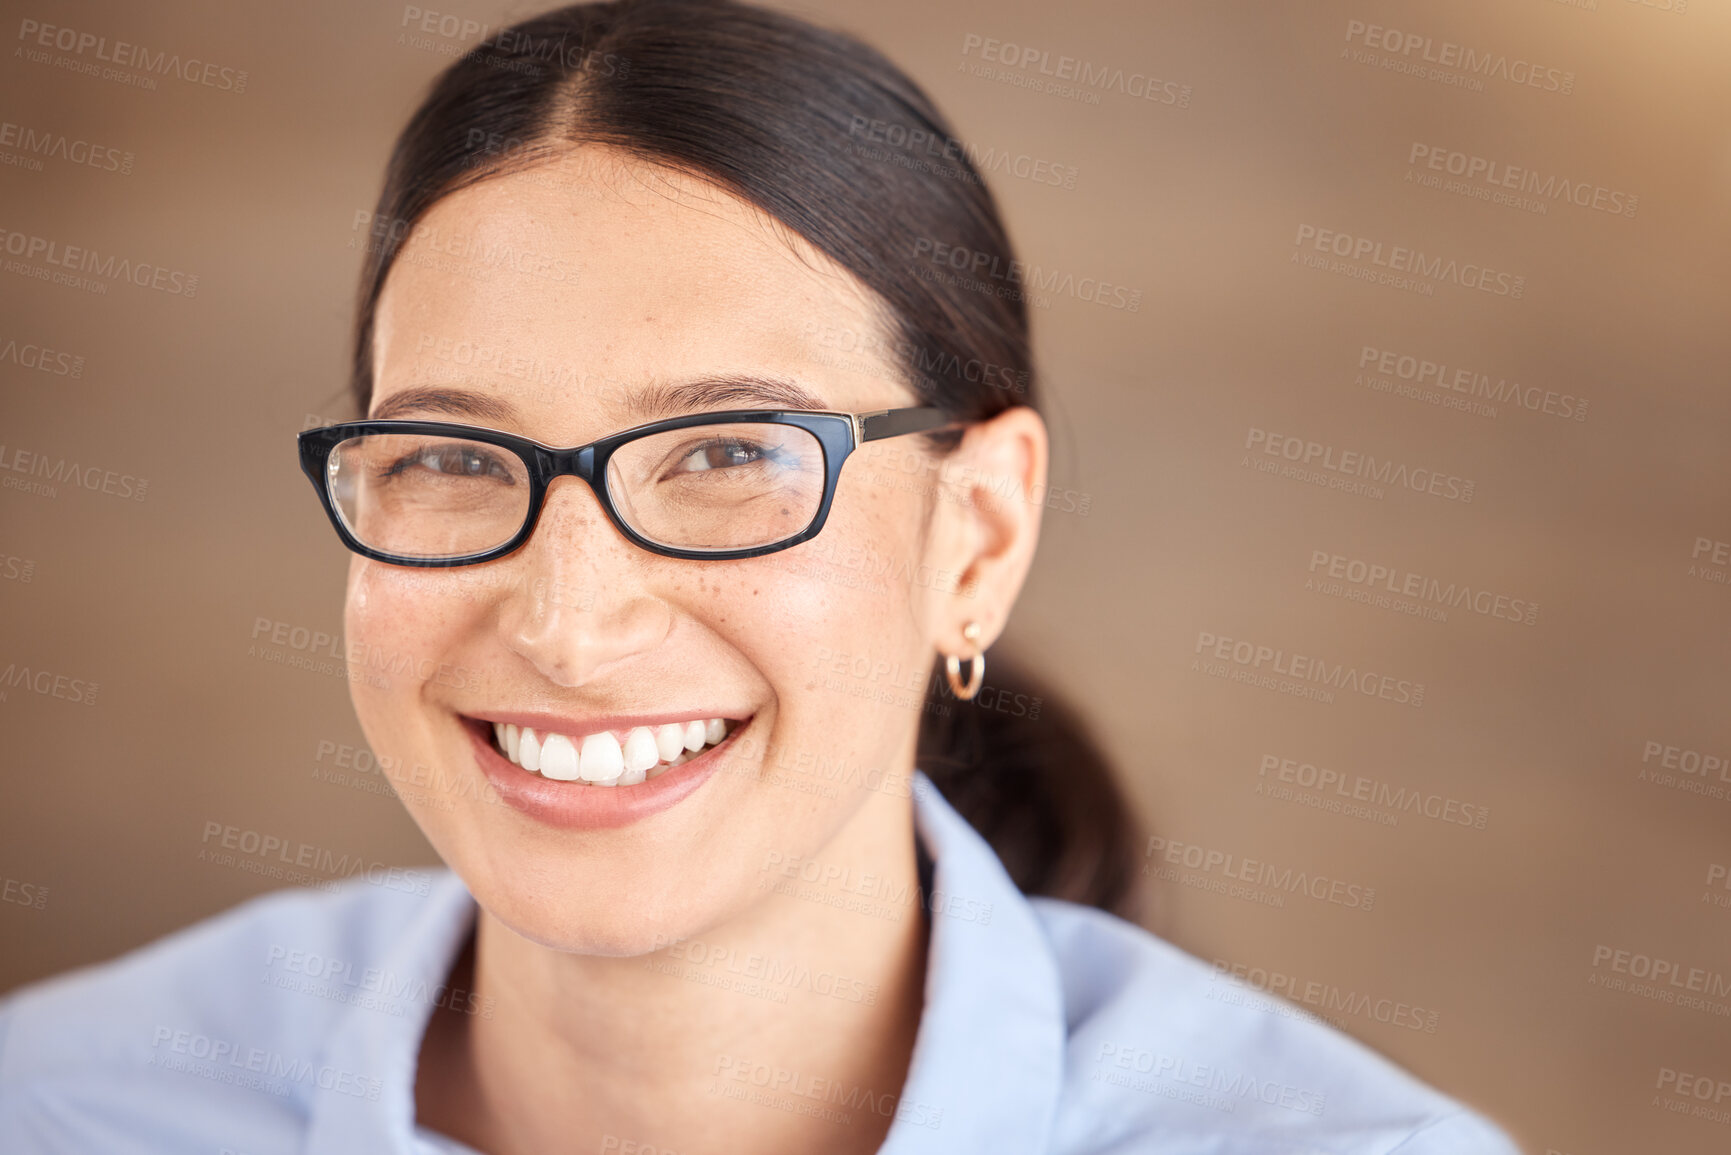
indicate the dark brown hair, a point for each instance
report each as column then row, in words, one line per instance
column 828, row 137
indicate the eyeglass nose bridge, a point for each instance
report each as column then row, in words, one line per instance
column 551, row 464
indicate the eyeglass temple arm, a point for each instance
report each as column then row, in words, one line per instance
column 895, row 422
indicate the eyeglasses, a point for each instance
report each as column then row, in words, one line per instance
column 736, row 484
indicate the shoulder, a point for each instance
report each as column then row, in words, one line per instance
column 1162, row 1046
column 201, row 1019
column 206, row 977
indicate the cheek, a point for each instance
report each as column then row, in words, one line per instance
column 833, row 624
column 402, row 629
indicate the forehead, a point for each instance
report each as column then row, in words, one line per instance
column 569, row 288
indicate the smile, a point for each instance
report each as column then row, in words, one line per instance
column 609, row 757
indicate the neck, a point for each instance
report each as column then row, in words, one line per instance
column 787, row 1028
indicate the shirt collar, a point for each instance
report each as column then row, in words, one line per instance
column 990, row 1050
column 387, row 1048
column 988, row 1059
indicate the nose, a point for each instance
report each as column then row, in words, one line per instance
column 582, row 605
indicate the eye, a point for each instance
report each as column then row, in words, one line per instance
column 721, row 453
column 453, row 460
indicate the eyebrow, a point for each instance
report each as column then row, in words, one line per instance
column 450, row 402
column 650, row 403
column 735, row 391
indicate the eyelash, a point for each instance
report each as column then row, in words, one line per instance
column 409, row 460
column 758, row 452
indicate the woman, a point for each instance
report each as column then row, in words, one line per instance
column 664, row 694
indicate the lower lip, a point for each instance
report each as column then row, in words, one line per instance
column 576, row 806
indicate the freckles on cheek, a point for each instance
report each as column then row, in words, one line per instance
column 370, row 615
column 398, row 626
column 842, row 596
column 772, row 612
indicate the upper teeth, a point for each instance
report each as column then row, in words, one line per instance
column 602, row 759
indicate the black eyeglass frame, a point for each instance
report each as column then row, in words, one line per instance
column 838, row 433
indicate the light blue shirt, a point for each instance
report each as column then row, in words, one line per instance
column 1048, row 1027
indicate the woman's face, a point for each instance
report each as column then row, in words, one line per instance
column 551, row 303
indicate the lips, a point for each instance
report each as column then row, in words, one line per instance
column 609, row 801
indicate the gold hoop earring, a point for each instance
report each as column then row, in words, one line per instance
column 976, row 672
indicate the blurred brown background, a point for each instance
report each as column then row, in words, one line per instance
column 1592, row 739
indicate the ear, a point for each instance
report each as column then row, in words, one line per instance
column 986, row 524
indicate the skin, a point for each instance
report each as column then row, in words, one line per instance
column 640, row 277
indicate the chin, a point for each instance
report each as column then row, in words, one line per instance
column 574, row 918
